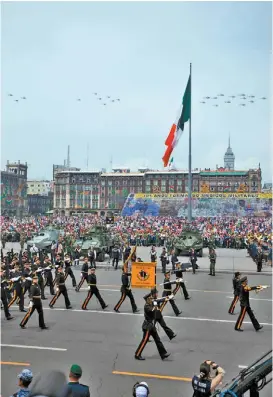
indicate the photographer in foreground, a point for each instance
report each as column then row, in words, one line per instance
column 211, row 375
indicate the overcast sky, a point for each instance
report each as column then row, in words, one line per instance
column 54, row 53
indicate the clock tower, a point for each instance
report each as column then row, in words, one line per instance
column 229, row 158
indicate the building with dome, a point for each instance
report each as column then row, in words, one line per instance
column 229, row 158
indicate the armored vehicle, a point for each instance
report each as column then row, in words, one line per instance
column 99, row 239
column 44, row 239
column 189, row 238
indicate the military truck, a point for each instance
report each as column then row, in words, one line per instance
column 189, row 238
column 99, row 239
column 44, row 239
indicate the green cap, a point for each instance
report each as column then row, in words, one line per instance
column 76, row 370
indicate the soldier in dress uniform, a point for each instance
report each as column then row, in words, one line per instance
column 180, row 284
column 35, row 303
column 19, row 286
column 151, row 314
column 236, row 282
column 48, row 267
column 84, row 274
column 58, row 263
column 160, row 320
column 69, row 271
column 245, row 306
column 126, row 291
column 93, row 289
column 60, row 289
column 167, row 292
column 4, row 285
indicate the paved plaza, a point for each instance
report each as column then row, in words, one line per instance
column 104, row 342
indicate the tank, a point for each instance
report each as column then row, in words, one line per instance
column 44, row 239
column 189, row 238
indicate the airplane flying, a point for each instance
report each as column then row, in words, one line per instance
column 216, row 106
column 263, row 97
column 202, row 102
column 251, row 101
column 221, row 95
column 23, row 97
column 10, row 95
column 227, row 102
column 242, row 104
column 232, row 96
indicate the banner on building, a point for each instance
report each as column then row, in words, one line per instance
column 203, row 204
column 203, row 195
column 143, row 275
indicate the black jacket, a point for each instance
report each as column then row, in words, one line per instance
column 167, row 287
column 84, row 268
column 244, row 295
column 92, row 282
column 60, row 281
column 35, row 290
column 125, row 280
column 236, row 286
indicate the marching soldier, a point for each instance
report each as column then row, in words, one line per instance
column 126, row 291
column 126, row 252
column 48, row 275
column 245, row 306
column 212, row 258
column 151, row 314
column 180, row 281
column 27, row 273
column 19, row 284
column 236, row 282
column 167, row 292
column 160, row 320
column 39, row 273
column 61, row 289
column 35, row 303
column 4, row 286
column 69, row 271
column 58, row 263
column 93, row 289
column 84, row 274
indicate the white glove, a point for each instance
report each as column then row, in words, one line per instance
column 57, row 289
column 81, row 274
column 171, row 296
column 30, row 305
column 154, row 303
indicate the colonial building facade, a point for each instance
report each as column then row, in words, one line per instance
column 96, row 191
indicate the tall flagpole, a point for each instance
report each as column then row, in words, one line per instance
column 190, row 175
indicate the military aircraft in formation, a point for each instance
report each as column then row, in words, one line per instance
column 242, row 97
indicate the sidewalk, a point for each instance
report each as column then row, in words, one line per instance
column 228, row 260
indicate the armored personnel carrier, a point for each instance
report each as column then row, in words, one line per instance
column 189, row 238
column 99, row 239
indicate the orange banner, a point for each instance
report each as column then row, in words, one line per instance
column 143, row 275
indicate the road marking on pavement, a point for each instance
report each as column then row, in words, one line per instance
column 181, row 379
column 242, row 366
column 213, row 320
column 35, row 347
column 253, row 299
column 191, row 290
column 15, row 363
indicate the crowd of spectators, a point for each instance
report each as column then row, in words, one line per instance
column 147, row 231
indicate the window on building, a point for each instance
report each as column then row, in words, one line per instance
column 109, row 183
column 163, row 189
column 163, row 182
column 171, row 182
column 179, row 188
column 102, row 183
column 147, row 183
column 155, row 182
column 148, row 189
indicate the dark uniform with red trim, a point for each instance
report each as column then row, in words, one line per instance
column 151, row 315
column 245, row 306
column 61, row 289
column 236, row 282
column 126, row 291
column 35, row 304
column 84, row 274
column 180, row 284
column 93, row 289
column 167, row 292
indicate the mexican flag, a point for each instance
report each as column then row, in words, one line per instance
column 178, row 126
